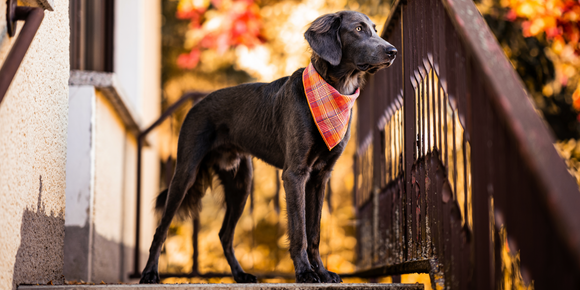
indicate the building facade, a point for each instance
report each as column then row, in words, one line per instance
column 69, row 123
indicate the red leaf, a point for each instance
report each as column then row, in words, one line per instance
column 189, row 60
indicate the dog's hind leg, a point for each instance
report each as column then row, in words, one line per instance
column 186, row 171
column 315, row 188
column 237, row 186
column 180, row 184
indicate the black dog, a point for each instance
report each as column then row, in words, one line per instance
column 273, row 122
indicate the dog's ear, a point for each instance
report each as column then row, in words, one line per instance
column 324, row 38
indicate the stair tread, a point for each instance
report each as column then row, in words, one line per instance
column 263, row 286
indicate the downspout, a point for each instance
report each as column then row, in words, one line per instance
column 33, row 17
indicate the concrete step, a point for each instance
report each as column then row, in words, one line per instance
column 265, row 286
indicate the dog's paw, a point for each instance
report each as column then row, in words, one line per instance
column 307, row 277
column 329, row 277
column 245, row 278
column 149, row 278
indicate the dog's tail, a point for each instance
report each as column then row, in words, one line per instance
column 191, row 204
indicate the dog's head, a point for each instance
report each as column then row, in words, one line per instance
column 349, row 38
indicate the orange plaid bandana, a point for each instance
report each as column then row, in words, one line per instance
column 330, row 109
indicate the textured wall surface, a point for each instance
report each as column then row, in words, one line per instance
column 33, row 133
column 111, row 141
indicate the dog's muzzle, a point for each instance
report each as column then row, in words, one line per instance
column 391, row 53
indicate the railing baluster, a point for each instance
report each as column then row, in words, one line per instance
column 410, row 121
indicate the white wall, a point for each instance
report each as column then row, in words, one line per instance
column 80, row 156
column 130, row 23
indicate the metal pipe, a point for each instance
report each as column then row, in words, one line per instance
column 195, row 267
column 196, row 96
column 137, row 254
column 33, row 18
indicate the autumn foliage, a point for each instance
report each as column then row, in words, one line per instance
column 218, row 25
column 558, row 21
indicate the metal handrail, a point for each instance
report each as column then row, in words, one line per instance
column 533, row 136
column 453, row 73
column 33, row 18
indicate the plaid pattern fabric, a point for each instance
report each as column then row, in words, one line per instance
column 329, row 108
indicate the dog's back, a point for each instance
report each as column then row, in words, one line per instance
column 254, row 118
column 249, row 119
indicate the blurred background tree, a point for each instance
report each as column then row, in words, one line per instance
column 541, row 39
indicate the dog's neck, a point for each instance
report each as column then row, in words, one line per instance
column 344, row 79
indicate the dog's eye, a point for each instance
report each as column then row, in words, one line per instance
column 358, row 28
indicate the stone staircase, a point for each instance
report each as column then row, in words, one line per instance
column 266, row 286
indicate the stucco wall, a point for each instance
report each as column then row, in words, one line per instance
column 33, row 134
column 111, row 143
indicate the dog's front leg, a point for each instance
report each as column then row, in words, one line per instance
column 295, row 185
column 315, row 188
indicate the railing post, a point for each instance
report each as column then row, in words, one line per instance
column 195, row 267
column 137, row 252
column 409, row 130
column 482, row 248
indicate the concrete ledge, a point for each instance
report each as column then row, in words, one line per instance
column 265, row 286
column 108, row 83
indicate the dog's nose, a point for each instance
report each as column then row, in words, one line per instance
column 391, row 51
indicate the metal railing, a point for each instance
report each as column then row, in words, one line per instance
column 454, row 170
column 33, row 18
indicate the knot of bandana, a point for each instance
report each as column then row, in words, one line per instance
column 330, row 109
